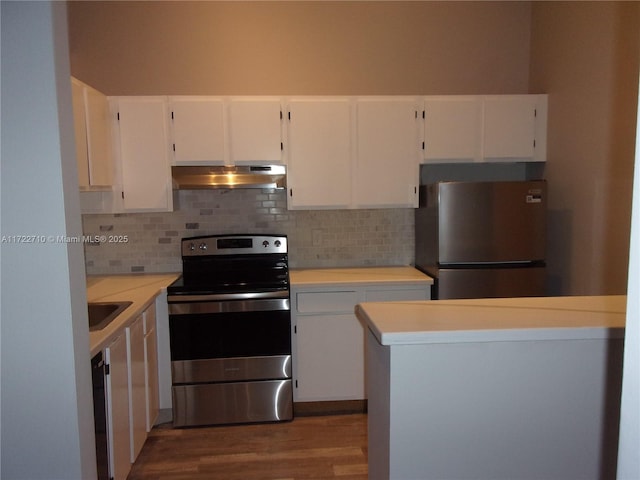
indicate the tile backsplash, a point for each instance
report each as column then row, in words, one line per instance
column 150, row 242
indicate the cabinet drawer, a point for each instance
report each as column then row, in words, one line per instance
column 398, row 295
column 317, row 302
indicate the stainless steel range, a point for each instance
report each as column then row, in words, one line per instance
column 230, row 331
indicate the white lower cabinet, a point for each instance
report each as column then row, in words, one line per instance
column 132, row 391
column 328, row 339
column 152, row 392
column 137, row 393
column 118, row 408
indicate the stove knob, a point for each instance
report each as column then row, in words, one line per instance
column 265, row 244
column 192, row 247
column 202, row 246
column 277, row 243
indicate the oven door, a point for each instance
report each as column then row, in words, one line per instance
column 230, row 340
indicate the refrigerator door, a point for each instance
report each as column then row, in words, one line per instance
column 490, row 283
column 491, row 222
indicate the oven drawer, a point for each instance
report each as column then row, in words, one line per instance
column 239, row 402
column 231, row 369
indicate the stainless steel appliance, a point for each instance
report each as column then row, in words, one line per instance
column 230, row 331
column 229, row 176
column 482, row 239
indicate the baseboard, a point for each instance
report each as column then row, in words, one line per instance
column 339, row 407
column 164, row 416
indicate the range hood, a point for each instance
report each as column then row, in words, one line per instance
column 234, row 176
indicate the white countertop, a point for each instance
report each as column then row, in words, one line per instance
column 141, row 289
column 491, row 320
column 364, row 275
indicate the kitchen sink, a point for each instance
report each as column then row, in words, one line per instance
column 102, row 314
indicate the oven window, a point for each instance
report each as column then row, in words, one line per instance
column 229, row 334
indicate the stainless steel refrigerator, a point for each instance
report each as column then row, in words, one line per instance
column 482, row 239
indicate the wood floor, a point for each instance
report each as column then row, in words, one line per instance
column 320, row 447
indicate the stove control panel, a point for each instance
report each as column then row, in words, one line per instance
column 233, row 245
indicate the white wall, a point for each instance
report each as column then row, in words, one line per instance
column 628, row 458
column 46, row 417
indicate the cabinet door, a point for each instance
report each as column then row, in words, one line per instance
column 452, row 129
column 152, row 394
column 330, row 358
column 320, row 153
column 80, row 128
column 99, row 138
column 388, row 139
column 509, row 127
column 137, row 396
column 144, row 154
column 118, row 408
column 255, row 132
column 198, row 130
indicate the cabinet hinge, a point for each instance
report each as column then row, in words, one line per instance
column 107, row 370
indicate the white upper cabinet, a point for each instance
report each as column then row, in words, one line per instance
column 320, row 153
column 388, row 152
column 144, row 154
column 198, row 130
column 255, row 131
column 512, row 127
column 80, row 125
column 493, row 128
column 92, row 123
column 452, row 128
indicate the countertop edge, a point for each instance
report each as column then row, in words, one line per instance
column 405, row 335
column 400, row 275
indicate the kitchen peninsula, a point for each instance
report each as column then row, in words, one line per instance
column 494, row 388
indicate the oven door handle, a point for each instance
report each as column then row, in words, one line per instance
column 249, row 305
column 226, row 296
